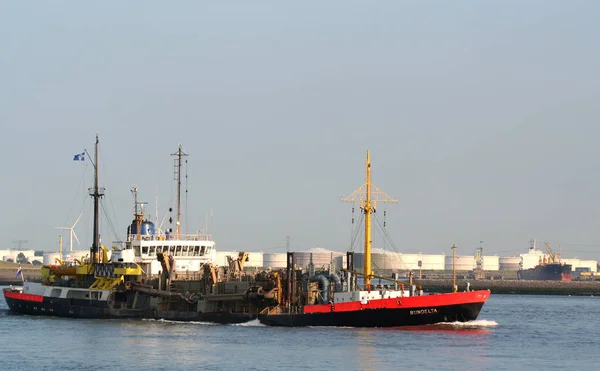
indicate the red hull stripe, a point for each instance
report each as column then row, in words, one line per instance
column 426, row 301
column 20, row 296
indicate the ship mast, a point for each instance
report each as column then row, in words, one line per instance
column 368, row 195
column 96, row 192
column 179, row 155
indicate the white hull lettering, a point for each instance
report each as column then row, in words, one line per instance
column 423, row 311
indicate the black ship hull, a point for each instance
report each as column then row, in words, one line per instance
column 382, row 317
column 548, row 272
column 97, row 309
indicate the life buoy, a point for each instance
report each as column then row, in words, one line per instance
column 110, row 300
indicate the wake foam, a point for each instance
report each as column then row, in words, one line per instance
column 477, row 324
column 180, row 322
column 252, row 323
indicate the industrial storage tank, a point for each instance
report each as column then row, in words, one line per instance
column 321, row 258
column 389, row 260
column 275, row 260
column 463, row 262
column 76, row 254
column 404, row 262
column 509, row 263
column 4, row 254
column 491, row 263
column 381, row 261
column 255, row 259
column 433, row 262
column 49, row 258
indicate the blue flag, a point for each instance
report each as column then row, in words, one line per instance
column 79, row 157
column 18, row 272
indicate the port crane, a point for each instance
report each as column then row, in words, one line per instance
column 552, row 256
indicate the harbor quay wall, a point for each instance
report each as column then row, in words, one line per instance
column 523, row 287
column 9, row 270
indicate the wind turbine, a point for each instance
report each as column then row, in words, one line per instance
column 72, row 232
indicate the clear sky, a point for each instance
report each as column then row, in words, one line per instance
column 482, row 118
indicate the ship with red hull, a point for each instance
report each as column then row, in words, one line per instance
column 547, row 272
column 403, row 311
column 329, row 300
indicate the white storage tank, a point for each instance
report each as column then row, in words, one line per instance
column 404, row 262
column 49, row 258
column 275, row 260
column 321, row 257
column 77, row 254
column 509, row 263
column 463, row 262
column 433, row 262
column 4, row 254
column 387, row 260
column 255, row 259
column 491, row 263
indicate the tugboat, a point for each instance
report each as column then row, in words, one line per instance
column 323, row 300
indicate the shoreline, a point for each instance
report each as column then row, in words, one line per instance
column 516, row 287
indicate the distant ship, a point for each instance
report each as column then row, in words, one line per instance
column 549, row 267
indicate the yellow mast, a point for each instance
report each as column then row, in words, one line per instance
column 368, row 209
column 369, row 195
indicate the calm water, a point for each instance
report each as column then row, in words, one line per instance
column 512, row 333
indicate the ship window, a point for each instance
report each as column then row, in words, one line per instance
column 152, row 250
column 136, row 251
column 178, row 251
column 145, row 250
column 184, row 251
column 196, row 250
column 202, row 250
column 55, row 293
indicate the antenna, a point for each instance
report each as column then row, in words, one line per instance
column 177, row 175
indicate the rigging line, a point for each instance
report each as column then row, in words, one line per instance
column 106, row 182
column 385, row 233
column 358, row 231
column 81, row 186
column 186, row 196
column 109, row 221
column 395, row 251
